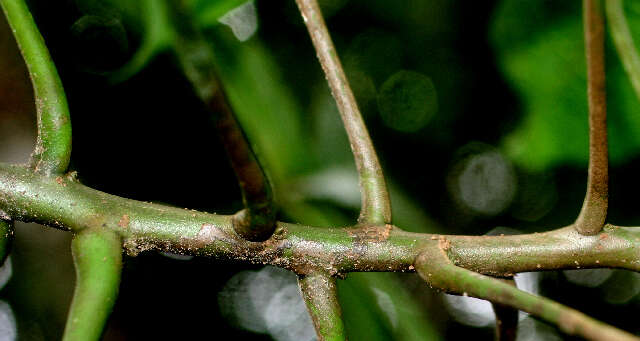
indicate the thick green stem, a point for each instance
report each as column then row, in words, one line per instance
column 53, row 146
column 68, row 205
column 596, row 202
column 376, row 206
column 321, row 297
column 564, row 248
column 439, row 272
column 257, row 221
column 624, row 42
column 97, row 254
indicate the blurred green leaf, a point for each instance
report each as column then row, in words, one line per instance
column 540, row 49
column 264, row 105
column 157, row 35
column 208, row 12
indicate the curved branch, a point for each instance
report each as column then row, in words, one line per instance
column 376, row 206
column 53, row 146
column 439, row 272
column 97, row 255
column 257, row 221
column 624, row 42
column 594, row 209
column 321, row 297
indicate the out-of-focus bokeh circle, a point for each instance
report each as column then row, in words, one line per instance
column 407, row 101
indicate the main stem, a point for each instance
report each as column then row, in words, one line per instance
column 594, row 209
column 376, row 206
column 27, row 196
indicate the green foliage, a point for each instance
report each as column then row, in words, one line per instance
column 207, row 12
column 540, row 49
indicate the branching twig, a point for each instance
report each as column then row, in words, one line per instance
column 435, row 267
column 257, row 221
column 624, row 42
column 376, row 207
column 97, row 255
column 321, row 297
column 53, row 146
column 69, row 205
column 594, row 209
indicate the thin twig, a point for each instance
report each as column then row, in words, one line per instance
column 53, row 146
column 594, row 209
column 321, row 297
column 97, row 256
column 376, row 207
column 257, row 221
column 506, row 317
column 624, row 42
column 439, row 272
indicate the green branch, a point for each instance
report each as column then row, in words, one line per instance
column 53, row 146
column 97, row 255
column 440, row 273
column 564, row 248
column 68, row 205
column 596, row 202
column 376, row 206
column 624, row 42
column 321, row 297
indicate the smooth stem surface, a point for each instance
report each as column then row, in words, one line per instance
column 376, row 206
column 97, row 255
column 257, row 221
column 53, row 146
column 624, row 42
column 321, row 297
column 439, row 272
column 594, row 209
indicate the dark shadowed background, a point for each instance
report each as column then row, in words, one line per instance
column 477, row 109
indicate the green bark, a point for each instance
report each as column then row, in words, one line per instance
column 320, row 295
column 97, row 254
column 53, row 146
